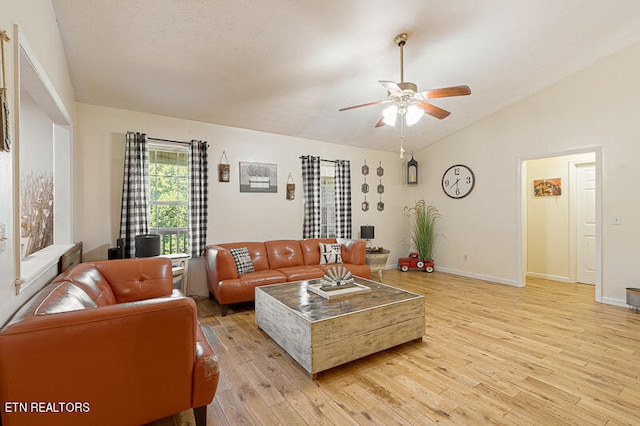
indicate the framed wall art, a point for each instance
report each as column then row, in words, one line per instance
column 258, row 177
column 547, row 187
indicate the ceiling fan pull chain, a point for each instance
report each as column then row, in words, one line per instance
column 401, row 139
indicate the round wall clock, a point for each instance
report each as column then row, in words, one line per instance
column 458, row 181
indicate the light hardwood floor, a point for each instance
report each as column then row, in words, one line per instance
column 492, row 354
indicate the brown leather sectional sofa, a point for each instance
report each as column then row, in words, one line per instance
column 275, row 261
column 106, row 343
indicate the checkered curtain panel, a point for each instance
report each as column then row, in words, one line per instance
column 198, row 197
column 311, row 196
column 343, row 198
column 134, row 216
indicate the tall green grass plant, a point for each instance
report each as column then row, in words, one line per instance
column 422, row 219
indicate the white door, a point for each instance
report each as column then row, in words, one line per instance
column 586, row 222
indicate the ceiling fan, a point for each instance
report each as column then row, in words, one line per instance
column 406, row 102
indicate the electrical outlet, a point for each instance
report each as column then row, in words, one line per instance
column 464, row 257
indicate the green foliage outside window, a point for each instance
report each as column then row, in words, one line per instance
column 168, row 182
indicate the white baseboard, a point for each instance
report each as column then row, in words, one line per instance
column 550, row 277
column 615, row 302
column 478, row 276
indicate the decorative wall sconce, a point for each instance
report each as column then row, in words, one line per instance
column 412, row 172
column 291, row 188
column 223, row 168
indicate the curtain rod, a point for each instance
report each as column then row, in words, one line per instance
column 169, row 140
column 322, row 159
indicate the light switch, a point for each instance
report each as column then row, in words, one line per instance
column 616, row 220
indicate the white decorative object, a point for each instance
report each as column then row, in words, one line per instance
column 337, row 276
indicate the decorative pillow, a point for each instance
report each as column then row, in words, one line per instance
column 330, row 253
column 243, row 260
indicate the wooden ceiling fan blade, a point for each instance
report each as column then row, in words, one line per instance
column 363, row 105
column 391, row 86
column 380, row 122
column 433, row 110
column 445, row 92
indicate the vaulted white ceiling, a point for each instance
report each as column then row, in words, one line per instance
column 287, row 66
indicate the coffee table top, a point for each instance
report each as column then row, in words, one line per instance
column 314, row 308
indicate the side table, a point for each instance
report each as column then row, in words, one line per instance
column 377, row 261
column 180, row 268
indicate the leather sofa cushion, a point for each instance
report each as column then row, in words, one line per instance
column 311, row 249
column 133, row 280
column 262, row 278
column 242, row 289
column 257, row 251
column 299, row 273
column 284, row 253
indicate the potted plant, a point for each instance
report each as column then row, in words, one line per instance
column 422, row 220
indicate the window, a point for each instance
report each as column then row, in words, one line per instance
column 168, row 191
column 327, row 200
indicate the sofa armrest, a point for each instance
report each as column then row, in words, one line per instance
column 353, row 251
column 220, row 265
column 206, row 373
column 130, row 362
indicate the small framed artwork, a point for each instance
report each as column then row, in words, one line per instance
column 258, row 177
column 223, row 173
column 547, row 187
column 223, row 168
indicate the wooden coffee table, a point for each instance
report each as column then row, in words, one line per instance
column 323, row 333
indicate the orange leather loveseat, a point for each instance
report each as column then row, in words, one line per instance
column 274, row 262
column 106, row 343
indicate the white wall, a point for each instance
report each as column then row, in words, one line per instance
column 597, row 107
column 36, row 136
column 37, row 22
column 233, row 216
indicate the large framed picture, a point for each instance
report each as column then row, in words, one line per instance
column 258, row 177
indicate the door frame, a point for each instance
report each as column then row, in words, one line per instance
column 521, row 212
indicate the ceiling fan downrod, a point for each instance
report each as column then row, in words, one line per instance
column 401, row 40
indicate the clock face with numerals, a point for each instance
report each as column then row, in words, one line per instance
column 458, row 181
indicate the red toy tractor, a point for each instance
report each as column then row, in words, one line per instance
column 414, row 262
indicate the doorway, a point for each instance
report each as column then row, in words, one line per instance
column 561, row 230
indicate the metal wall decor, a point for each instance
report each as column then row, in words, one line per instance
column 365, row 204
column 365, row 186
column 379, row 188
column 365, row 168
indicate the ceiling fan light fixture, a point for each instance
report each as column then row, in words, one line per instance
column 413, row 115
column 389, row 115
